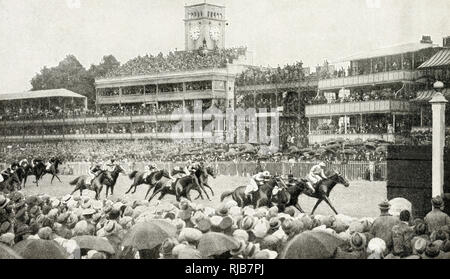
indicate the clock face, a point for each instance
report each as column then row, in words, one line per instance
column 195, row 33
column 214, row 33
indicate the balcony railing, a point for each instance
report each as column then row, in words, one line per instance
column 365, row 107
column 376, row 78
column 325, row 137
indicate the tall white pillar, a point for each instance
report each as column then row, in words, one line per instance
column 438, row 106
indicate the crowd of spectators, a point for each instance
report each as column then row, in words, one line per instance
column 178, row 61
column 362, row 95
column 261, row 75
column 179, row 151
column 136, row 229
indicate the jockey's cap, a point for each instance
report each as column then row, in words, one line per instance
column 322, row 164
column 266, row 173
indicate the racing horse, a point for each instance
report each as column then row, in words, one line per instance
column 202, row 175
column 322, row 193
column 114, row 175
column 150, row 180
column 259, row 198
column 180, row 188
column 104, row 177
column 41, row 170
column 10, row 183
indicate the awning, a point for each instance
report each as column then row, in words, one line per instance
column 426, row 95
column 440, row 59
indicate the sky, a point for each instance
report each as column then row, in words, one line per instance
column 38, row 33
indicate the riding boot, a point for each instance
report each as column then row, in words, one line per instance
column 310, row 188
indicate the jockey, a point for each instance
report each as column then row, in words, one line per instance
column 94, row 171
column 110, row 164
column 316, row 174
column 35, row 161
column 152, row 167
column 256, row 181
column 190, row 167
column 50, row 163
column 23, row 163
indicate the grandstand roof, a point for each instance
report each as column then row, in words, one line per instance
column 440, row 59
column 387, row 51
column 64, row 93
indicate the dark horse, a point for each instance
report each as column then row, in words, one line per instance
column 259, row 198
column 114, row 175
column 180, row 188
column 150, row 180
column 10, row 183
column 102, row 178
column 202, row 175
column 40, row 170
column 323, row 190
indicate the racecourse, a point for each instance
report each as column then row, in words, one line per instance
column 358, row 200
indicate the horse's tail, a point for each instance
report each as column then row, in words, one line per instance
column 75, row 181
column 225, row 194
column 132, row 174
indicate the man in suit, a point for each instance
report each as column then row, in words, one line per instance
column 382, row 226
column 435, row 219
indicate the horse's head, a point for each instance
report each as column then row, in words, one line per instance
column 339, row 178
column 107, row 176
column 211, row 171
column 119, row 169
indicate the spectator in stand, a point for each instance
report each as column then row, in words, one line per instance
column 436, row 219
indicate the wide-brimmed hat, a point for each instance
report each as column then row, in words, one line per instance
column 226, row 223
column 190, row 235
column 261, row 228
column 385, row 205
column 167, row 246
column 439, row 235
column 222, row 210
column 274, row 224
column 7, row 238
column 3, row 201
column 265, row 254
column 241, row 234
column 247, row 223
column 432, row 250
column 358, row 241
column 110, row 226
column 376, row 245
column 251, row 249
column 88, row 211
column 81, row 228
column 185, row 214
column 241, row 247
column 45, row 233
column 437, row 202
column 204, row 224
column 419, row 245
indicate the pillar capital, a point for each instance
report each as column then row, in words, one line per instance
column 438, row 98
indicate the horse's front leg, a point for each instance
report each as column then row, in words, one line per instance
column 53, row 177
column 316, row 205
column 297, row 205
column 327, row 200
column 209, row 187
column 203, row 188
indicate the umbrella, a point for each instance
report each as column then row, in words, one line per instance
column 7, row 253
column 213, row 243
column 40, row 249
column 94, row 243
column 149, row 234
column 312, row 245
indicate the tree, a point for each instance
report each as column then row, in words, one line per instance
column 71, row 75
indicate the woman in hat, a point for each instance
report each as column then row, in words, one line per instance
column 436, row 218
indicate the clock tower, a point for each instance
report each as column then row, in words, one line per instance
column 204, row 26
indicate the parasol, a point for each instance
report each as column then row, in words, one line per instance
column 149, row 234
column 312, row 245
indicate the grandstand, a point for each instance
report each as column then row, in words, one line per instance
column 372, row 99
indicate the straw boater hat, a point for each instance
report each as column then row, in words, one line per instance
column 265, row 254
column 241, row 247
